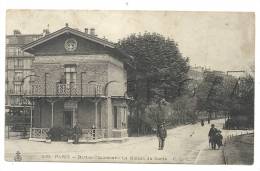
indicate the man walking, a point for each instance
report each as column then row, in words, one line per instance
column 161, row 134
column 212, row 136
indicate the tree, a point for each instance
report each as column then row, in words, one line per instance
column 242, row 102
column 160, row 70
column 211, row 93
column 184, row 108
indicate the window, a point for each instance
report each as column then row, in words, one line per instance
column 18, row 76
column 11, row 51
column 18, row 63
column 120, row 117
column 19, row 52
column 70, row 74
column 7, row 41
column 115, row 116
column 17, row 88
column 124, row 118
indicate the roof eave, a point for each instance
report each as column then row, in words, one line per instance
column 62, row 31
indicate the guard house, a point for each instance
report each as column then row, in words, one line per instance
column 78, row 78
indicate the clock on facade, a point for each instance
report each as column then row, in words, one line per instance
column 70, row 44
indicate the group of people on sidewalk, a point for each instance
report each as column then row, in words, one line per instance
column 215, row 137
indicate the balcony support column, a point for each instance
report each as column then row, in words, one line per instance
column 96, row 114
column 52, row 102
column 52, row 105
column 31, row 119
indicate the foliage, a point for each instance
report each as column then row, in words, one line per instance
column 60, row 134
column 160, row 69
column 160, row 73
column 242, row 102
column 187, row 106
column 211, row 93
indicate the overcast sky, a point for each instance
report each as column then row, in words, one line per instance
column 221, row 41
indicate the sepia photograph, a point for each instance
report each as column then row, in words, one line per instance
column 146, row 87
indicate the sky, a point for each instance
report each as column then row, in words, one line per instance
column 217, row 40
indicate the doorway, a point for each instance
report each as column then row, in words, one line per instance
column 68, row 119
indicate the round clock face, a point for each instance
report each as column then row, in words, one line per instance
column 70, row 45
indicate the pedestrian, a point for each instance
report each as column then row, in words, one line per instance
column 219, row 139
column 161, row 134
column 77, row 133
column 212, row 136
column 208, row 120
column 202, row 122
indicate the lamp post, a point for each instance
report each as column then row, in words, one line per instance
column 22, row 83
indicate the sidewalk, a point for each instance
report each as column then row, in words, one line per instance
column 209, row 156
column 240, row 150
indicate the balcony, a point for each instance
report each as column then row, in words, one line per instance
column 18, row 66
column 86, row 90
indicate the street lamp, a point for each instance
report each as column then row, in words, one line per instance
column 22, row 83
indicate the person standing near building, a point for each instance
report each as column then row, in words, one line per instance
column 77, row 133
column 161, row 134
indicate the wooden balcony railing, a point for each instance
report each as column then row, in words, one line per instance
column 66, row 90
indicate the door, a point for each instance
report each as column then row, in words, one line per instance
column 68, row 119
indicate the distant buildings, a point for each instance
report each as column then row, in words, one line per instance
column 18, row 65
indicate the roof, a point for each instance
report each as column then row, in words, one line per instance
column 72, row 31
column 67, row 29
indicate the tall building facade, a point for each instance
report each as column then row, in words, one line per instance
column 18, row 66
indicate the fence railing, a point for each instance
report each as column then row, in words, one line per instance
column 92, row 134
column 72, row 89
column 17, row 130
column 39, row 133
column 230, row 137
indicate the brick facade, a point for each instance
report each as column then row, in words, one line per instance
column 95, row 64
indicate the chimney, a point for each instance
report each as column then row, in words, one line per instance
column 86, row 30
column 45, row 32
column 17, row 32
column 67, row 25
column 92, row 32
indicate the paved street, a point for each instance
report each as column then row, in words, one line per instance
column 186, row 144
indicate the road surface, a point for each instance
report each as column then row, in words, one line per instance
column 185, row 144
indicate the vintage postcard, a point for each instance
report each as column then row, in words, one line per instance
column 130, row 86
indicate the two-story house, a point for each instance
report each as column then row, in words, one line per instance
column 78, row 78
